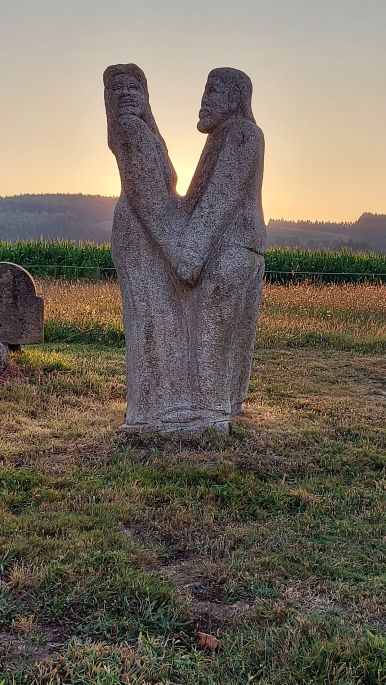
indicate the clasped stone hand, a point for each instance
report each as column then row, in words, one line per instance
column 189, row 266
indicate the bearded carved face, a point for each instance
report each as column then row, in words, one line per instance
column 217, row 104
column 126, row 97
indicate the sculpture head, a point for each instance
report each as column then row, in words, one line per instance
column 127, row 97
column 126, row 93
column 228, row 93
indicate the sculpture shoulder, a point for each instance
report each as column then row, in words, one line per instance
column 243, row 132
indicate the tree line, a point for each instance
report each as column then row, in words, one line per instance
column 90, row 217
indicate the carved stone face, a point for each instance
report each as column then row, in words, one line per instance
column 126, row 97
column 216, row 105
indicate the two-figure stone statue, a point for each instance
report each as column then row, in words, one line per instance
column 190, row 268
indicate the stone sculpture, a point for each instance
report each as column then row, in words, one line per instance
column 190, row 268
column 21, row 308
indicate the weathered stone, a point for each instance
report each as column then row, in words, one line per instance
column 21, row 308
column 3, row 357
column 190, row 269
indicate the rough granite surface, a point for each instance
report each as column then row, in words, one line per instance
column 3, row 357
column 21, row 308
column 190, row 268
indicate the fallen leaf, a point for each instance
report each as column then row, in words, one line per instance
column 208, row 641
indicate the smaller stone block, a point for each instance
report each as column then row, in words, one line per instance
column 21, row 308
column 3, row 357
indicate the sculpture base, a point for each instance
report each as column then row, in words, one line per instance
column 238, row 409
column 181, row 430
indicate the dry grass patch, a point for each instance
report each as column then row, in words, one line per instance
column 336, row 316
column 67, row 402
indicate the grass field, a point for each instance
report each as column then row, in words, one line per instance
column 114, row 554
column 338, row 317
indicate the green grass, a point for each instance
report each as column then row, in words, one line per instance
column 70, row 259
column 114, row 553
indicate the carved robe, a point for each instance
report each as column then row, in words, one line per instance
column 225, row 239
column 154, row 320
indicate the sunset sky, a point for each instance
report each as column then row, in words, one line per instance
column 319, row 75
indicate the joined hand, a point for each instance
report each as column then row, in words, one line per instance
column 189, row 266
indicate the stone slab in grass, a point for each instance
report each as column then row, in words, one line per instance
column 21, row 308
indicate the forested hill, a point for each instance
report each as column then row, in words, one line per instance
column 368, row 233
column 72, row 217
column 89, row 217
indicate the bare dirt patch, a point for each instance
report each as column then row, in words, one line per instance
column 22, row 651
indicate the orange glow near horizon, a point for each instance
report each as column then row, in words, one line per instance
column 183, row 182
column 184, row 178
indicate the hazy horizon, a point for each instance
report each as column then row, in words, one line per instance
column 318, row 71
column 267, row 218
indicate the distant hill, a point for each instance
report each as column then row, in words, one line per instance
column 74, row 217
column 90, row 217
column 368, row 233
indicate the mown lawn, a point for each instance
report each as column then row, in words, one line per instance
column 114, row 554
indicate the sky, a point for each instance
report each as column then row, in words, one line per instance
column 318, row 70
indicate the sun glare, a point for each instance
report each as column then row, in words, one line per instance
column 113, row 185
column 184, row 178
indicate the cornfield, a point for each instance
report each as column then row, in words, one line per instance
column 93, row 262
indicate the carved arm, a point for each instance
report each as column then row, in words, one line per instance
column 240, row 157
